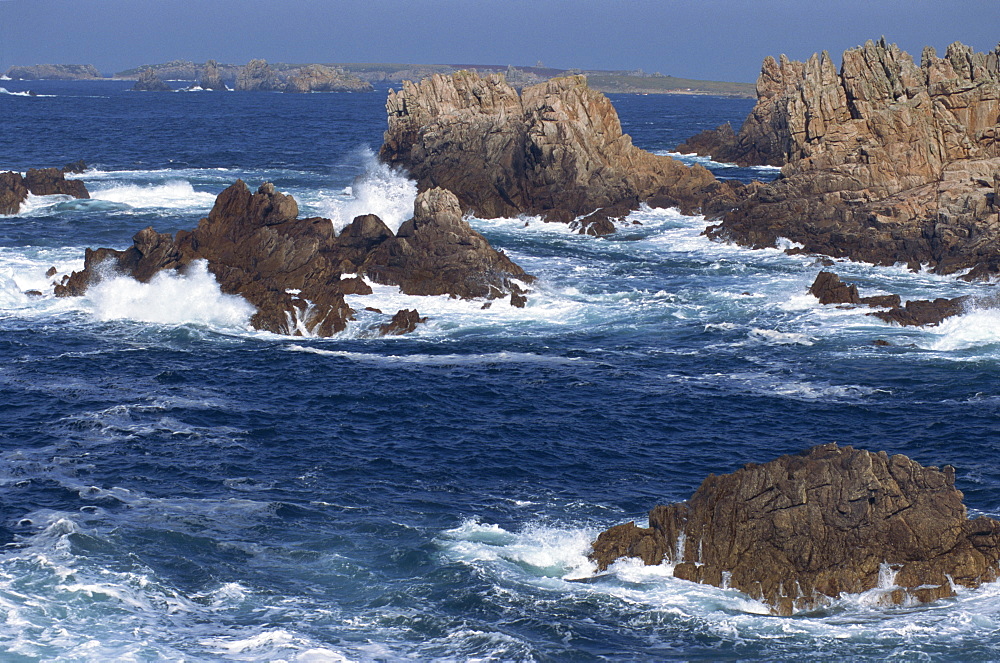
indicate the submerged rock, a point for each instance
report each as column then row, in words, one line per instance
column 886, row 161
column 801, row 530
column 829, row 289
column 405, row 321
column 149, row 81
column 293, row 270
column 556, row 149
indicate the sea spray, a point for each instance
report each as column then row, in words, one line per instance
column 190, row 297
column 381, row 190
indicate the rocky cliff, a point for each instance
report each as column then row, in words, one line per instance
column 62, row 72
column 555, row 149
column 884, row 161
column 297, row 271
column 800, row 530
column 317, row 78
column 211, row 77
column 257, row 76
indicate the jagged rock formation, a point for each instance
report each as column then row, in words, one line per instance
column 802, row 529
column 317, row 78
column 557, row 149
column 211, row 78
column 149, row 82
column 58, row 72
column 884, row 162
column 405, row 321
column 257, row 76
column 14, row 188
column 297, row 271
column 829, row 289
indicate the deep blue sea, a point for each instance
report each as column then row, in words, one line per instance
column 177, row 487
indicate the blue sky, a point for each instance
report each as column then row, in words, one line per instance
column 708, row 39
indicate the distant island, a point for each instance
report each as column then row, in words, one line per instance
column 358, row 77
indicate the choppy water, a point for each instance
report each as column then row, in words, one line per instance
column 174, row 486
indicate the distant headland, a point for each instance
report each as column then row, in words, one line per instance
column 359, row 76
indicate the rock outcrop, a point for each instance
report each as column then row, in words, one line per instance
column 149, row 81
column 211, row 77
column 57, row 72
column 555, row 149
column 297, row 271
column 257, row 76
column 803, row 529
column 318, row 78
column 14, row 188
column 886, row 161
column 829, row 289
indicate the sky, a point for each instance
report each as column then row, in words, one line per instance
column 701, row 39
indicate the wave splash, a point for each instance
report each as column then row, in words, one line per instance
column 190, row 297
column 381, row 190
column 174, row 194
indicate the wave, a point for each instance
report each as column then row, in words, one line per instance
column 553, row 559
column 4, row 90
column 381, row 190
column 170, row 298
column 175, row 194
column 442, row 359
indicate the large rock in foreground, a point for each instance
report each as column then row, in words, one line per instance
column 886, row 161
column 557, row 149
column 297, row 271
column 800, row 530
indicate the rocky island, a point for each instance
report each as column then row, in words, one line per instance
column 801, row 530
column 885, row 161
column 55, row 72
column 555, row 149
column 297, row 271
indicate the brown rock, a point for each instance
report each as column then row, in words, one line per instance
column 51, row 181
column 77, row 167
column 405, row 321
column 438, row 253
column 717, row 143
column 921, row 312
column 13, row 192
column 883, row 162
column 800, row 530
column 297, row 271
column 829, row 289
column 557, row 149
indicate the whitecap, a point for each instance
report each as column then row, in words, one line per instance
column 382, row 190
column 189, row 297
column 176, row 194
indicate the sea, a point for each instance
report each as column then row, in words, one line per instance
column 176, row 486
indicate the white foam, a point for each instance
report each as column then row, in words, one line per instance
column 443, row 359
column 176, row 194
column 980, row 328
column 381, row 190
column 191, row 297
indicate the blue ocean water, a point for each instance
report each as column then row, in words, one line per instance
column 176, row 486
